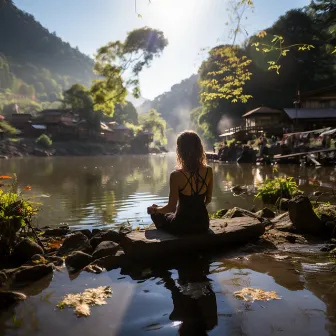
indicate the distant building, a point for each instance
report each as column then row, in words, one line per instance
column 314, row 109
column 263, row 117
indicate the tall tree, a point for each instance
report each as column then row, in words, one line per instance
column 119, row 65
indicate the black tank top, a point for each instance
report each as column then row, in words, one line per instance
column 193, row 206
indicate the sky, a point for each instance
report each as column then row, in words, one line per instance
column 189, row 26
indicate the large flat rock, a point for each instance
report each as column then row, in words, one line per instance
column 226, row 233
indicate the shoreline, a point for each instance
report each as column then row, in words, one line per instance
column 16, row 148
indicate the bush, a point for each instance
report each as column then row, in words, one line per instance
column 15, row 211
column 277, row 187
column 7, row 128
column 44, row 141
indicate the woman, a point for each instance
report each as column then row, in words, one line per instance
column 190, row 190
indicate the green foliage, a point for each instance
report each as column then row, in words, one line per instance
column 218, row 214
column 77, row 97
column 7, row 128
column 37, row 59
column 126, row 113
column 15, row 211
column 326, row 210
column 273, row 188
column 154, row 123
column 312, row 69
column 44, row 141
column 119, row 64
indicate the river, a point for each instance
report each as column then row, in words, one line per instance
column 108, row 191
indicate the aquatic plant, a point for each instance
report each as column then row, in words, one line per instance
column 16, row 212
column 44, row 141
column 278, row 187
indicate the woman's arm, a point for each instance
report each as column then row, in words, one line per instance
column 208, row 195
column 173, row 196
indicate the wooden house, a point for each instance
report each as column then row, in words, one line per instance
column 313, row 110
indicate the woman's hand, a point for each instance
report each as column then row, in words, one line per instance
column 152, row 209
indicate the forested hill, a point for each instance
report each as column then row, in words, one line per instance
column 176, row 104
column 35, row 61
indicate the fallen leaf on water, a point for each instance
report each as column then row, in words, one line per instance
column 82, row 301
column 255, row 294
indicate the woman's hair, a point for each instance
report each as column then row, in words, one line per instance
column 190, row 152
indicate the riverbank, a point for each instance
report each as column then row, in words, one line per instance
column 27, row 147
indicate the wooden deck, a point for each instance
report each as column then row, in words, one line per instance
column 308, row 155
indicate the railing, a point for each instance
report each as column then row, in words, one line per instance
column 252, row 129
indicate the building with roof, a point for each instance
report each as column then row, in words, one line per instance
column 314, row 109
column 263, row 117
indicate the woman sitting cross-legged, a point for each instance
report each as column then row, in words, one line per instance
column 190, row 190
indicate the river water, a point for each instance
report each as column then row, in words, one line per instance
column 191, row 297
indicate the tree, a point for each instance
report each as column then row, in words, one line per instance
column 120, row 63
column 126, row 113
column 154, row 123
column 77, row 97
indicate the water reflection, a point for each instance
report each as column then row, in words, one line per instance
column 194, row 301
column 107, row 191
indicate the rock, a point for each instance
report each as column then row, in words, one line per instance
column 3, row 278
column 86, row 232
column 239, row 212
column 266, row 213
column 57, row 261
column 39, row 152
column 58, row 232
column 32, row 273
column 283, row 223
column 4, row 250
column 317, row 193
column 105, row 248
column 291, row 239
column 303, row 216
column 64, row 226
column 328, row 247
column 238, row 190
column 75, row 242
column 157, row 244
column 24, row 250
column 111, row 262
column 95, row 231
column 109, row 235
column 8, row 298
column 77, row 260
column 282, row 204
